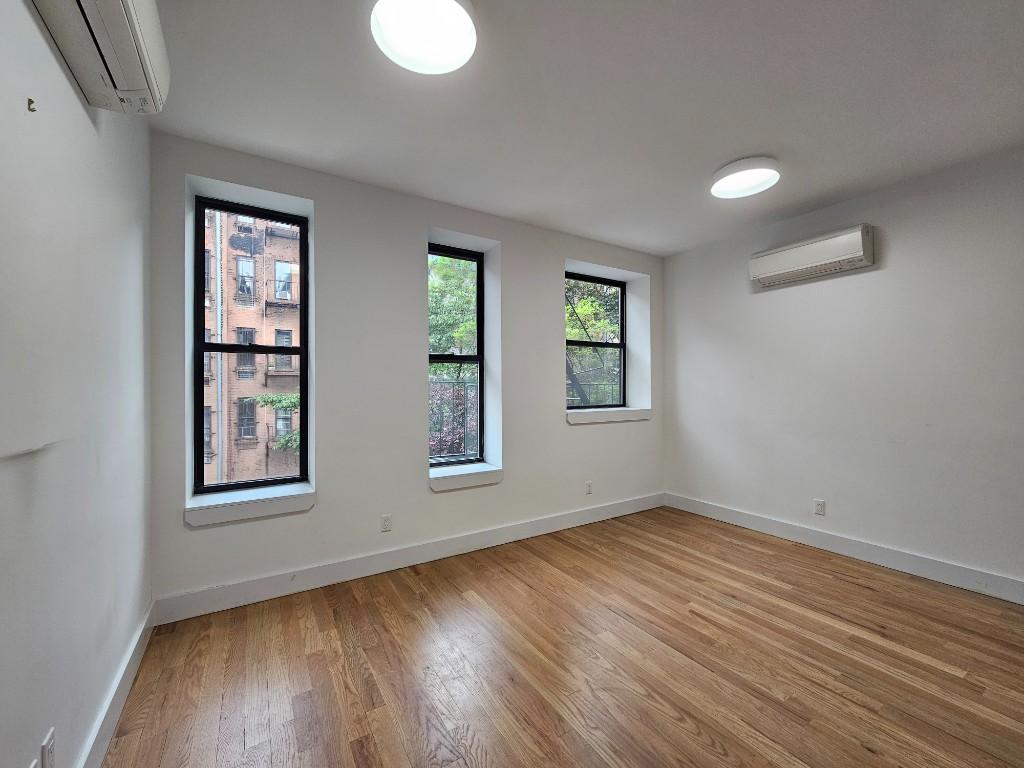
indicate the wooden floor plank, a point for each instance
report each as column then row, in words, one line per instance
column 660, row 638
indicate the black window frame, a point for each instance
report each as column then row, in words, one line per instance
column 200, row 346
column 450, row 251
column 620, row 344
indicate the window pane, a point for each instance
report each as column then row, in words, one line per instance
column 593, row 376
column 283, row 363
column 592, row 311
column 251, row 423
column 451, row 287
column 253, row 277
column 454, row 411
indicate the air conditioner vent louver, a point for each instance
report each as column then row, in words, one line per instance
column 841, row 251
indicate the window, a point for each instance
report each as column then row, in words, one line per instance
column 283, row 280
column 595, row 342
column 455, row 289
column 282, row 338
column 247, row 419
column 283, row 422
column 259, row 416
column 207, row 434
column 245, row 274
column 206, row 268
column 245, row 362
column 207, row 369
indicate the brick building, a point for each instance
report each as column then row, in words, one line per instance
column 252, row 297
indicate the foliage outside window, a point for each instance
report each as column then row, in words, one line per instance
column 456, row 355
column 595, row 342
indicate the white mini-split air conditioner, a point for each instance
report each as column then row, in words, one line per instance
column 836, row 252
column 114, row 48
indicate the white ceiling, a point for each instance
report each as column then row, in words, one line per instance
column 606, row 118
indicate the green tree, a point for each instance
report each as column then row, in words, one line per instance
column 451, row 292
column 283, row 402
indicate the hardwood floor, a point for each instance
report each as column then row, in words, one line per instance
column 660, row 638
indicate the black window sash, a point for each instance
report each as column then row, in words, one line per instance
column 201, row 346
column 620, row 344
column 436, row 249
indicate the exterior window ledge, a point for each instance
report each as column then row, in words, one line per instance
column 464, row 476
column 249, row 504
column 605, row 415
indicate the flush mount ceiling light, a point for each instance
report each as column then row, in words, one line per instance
column 745, row 177
column 432, row 37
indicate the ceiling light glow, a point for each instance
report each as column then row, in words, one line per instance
column 745, row 177
column 431, row 37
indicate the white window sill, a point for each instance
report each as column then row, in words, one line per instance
column 604, row 415
column 464, row 476
column 249, row 504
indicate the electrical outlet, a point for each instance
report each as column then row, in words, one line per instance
column 47, row 758
column 385, row 523
column 589, row 487
column 819, row 507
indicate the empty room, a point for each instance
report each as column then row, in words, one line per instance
column 512, row 383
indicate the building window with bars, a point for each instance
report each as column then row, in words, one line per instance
column 245, row 362
column 283, row 338
column 207, row 434
column 247, row 419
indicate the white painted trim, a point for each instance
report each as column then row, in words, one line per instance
column 464, row 476
column 98, row 741
column 219, row 598
column 606, row 415
column 249, row 504
column 277, row 201
column 988, row 583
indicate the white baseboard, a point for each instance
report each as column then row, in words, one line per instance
column 219, row 598
column 106, row 721
column 993, row 584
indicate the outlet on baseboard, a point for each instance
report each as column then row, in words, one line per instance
column 385, row 523
column 47, row 756
column 819, row 507
column 589, row 487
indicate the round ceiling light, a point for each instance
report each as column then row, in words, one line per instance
column 432, row 37
column 745, row 177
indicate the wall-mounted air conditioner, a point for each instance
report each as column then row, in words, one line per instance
column 114, row 48
column 826, row 255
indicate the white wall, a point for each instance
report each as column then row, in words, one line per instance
column 895, row 394
column 74, row 584
column 371, row 380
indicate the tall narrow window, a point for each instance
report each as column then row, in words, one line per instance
column 283, row 280
column 245, row 362
column 245, row 277
column 595, row 342
column 248, row 428
column 283, row 422
column 455, row 289
column 283, row 338
column 247, row 419
column 207, row 434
